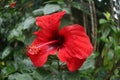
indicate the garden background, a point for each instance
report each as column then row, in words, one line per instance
column 100, row 18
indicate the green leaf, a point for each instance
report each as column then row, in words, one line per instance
column 72, row 76
column 53, row 1
column 89, row 63
column 115, row 29
column 29, row 40
column 38, row 12
column 14, row 33
column 36, row 75
column 117, row 50
column 8, row 70
column 19, row 26
column 1, row 76
column 110, row 54
column 105, row 51
column 17, row 32
column 28, row 22
column 24, row 65
column 51, row 8
column 84, row 7
column 107, row 15
column 67, row 10
column 102, row 21
column 76, row 5
column 116, row 72
column 6, row 52
column 21, row 38
column 20, row 77
column 100, row 73
column 105, row 34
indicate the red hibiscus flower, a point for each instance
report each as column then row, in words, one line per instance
column 71, row 42
column 13, row 4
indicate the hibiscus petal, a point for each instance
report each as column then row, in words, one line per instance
column 72, row 62
column 77, row 41
column 75, row 63
column 63, row 54
column 50, row 22
column 38, row 59
column 39, row 52
column 43, row 35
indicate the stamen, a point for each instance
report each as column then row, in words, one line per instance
column 35, row 49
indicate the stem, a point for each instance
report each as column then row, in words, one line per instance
column 58, row 65
column 16, row 44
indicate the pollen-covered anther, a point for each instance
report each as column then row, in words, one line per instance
column 33, row 50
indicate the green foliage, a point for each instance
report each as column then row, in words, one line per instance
column 16, row 33
column 110, row 36
column 6, row 52
column 51, row 8
column 18, row 76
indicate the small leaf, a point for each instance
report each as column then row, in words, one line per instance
column 102, row 21
column 117, row 49
column 105, row 35
column 110, row 54
column 107, row 15
column 36, row 75
column 115, row 29
column 25, row 65
column 24, row 77
column 20, row 77
column 105, row 51
column 29, row 22
column 51, row 1
column 67, row 10
column 89, row 63
column 6, row 52
column 116, row 72
column 51, row 8
column 38, row 12
column 84, row 7
column 14, row 33
column 21, row 38
column 76, row 5
column 17, row 33
column 8, row 70
column 72, row 76
column 29, row 40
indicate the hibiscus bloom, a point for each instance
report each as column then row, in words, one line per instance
column 13, row 4
column 71, row 42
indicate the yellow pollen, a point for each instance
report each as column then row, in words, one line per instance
column 33, row 50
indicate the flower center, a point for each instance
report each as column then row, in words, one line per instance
column 60, row 40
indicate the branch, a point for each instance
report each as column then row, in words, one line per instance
column 93, row 23
column 111, row 8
